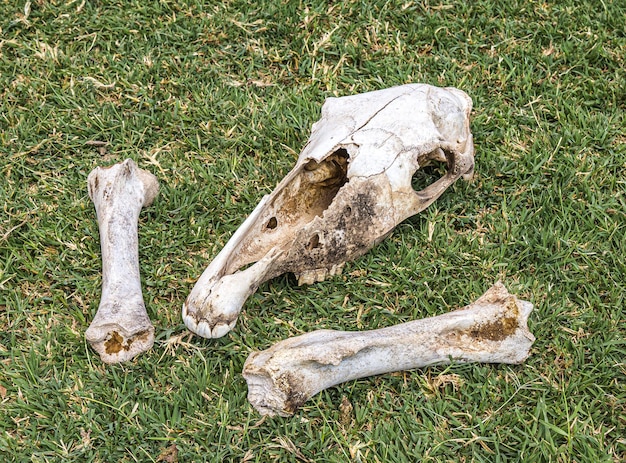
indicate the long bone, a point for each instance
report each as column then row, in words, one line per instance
column 493, row 329
column 348, row 190
column 121, row 328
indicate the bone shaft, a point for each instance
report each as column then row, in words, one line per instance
column 492, row 330
column 406, row 346
column 385, row 351
column 120, row 252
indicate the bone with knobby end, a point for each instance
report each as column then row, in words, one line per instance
column 121, row 328
column 493, row 329
column 351, row 186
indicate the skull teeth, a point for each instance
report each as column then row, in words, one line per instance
column 317, row 275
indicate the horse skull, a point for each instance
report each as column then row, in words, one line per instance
column 349, row 189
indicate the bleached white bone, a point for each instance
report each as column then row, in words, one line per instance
column 121, row 328
column 349, row 189
column 493, row 329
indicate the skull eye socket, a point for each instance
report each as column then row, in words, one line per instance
column 432, row 167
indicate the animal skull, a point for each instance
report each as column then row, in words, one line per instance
column 349, row 189
column 493, row 329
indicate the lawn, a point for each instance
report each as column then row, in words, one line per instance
column 217, row 98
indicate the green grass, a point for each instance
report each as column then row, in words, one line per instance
column 217, row 99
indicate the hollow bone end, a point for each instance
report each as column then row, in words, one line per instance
column 120, row 341
column 280, row 396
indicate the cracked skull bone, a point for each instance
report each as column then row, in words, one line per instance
column 121, row 328
column 349, row 189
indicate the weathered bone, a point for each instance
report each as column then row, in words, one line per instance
column 493, row 329
column 348, row 190
column 121, row 328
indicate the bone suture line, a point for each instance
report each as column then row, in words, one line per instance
column 493, row 329
column 121, row 328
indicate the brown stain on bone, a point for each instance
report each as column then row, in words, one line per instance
column 317, row 188
column 495, row 331
column 295, row 397
column 345, row 230
column 115, row 344
column 306, row 197
column 343, row 237
column 501, row 328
